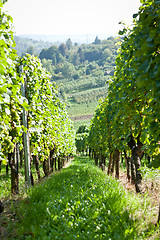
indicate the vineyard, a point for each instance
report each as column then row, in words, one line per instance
column 37, row 138
column 34, row 123
column 130, row 113
column 75, row 204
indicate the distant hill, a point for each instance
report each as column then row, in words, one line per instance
column 34, row 43
column 57, row 39
column 82, row 72
column 30, row 45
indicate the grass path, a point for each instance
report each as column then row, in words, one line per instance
column 80, row 202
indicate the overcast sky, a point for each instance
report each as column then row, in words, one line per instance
column 60, row 17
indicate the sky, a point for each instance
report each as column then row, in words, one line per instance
column 70, row 17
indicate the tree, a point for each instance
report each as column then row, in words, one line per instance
column 30, row 50
column 51, row 53
column 81, row 54
column 69, row 44
column 47, row 64
column 76, row 60
column 44, row 54
column 63, row 49
column 97, row 41
column 106, row 53
column 67, row 69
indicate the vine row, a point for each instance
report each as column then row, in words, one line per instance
column 34, row 125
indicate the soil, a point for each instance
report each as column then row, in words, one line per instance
column 83, row 117
column 151, row 188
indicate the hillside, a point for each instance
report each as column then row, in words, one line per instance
column 29, row 45
column 81, row 72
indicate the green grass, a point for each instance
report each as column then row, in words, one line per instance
column 89, row 95
column 81, row 202
column 88, row 101
column 5, row 180
column 77, row 124
column 74, row 109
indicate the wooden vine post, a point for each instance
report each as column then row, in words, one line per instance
column 14, row 170
column 26, row 136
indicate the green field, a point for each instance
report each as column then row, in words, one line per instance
column 82, row 109
column 79, row 123
column 75, row 109
column 81, row 202
column 85, row 105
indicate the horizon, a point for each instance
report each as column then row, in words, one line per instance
column 85, row 17
column 76, row 38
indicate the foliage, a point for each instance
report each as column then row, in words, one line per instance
column 47, row 121
column 63, row 49
column 81, row 140
column 5, row 182
column 131, row 108
column 23, row 44
column 78, row 123
column 137, row 90
column 69, row 43
column 10, row 97
column 75, row 204
column 51, row 53
column 82, row 67
column 130, row 113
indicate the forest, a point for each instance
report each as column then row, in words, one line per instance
column 96, row 181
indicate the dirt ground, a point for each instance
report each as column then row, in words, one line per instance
column 83, row 117
column 150, row 187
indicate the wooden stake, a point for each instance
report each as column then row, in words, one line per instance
column 26, row 136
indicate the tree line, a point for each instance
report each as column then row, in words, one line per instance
column 99, row 53
column 27, row 45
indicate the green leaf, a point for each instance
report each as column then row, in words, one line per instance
column 26, row 106
column 135, row 15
